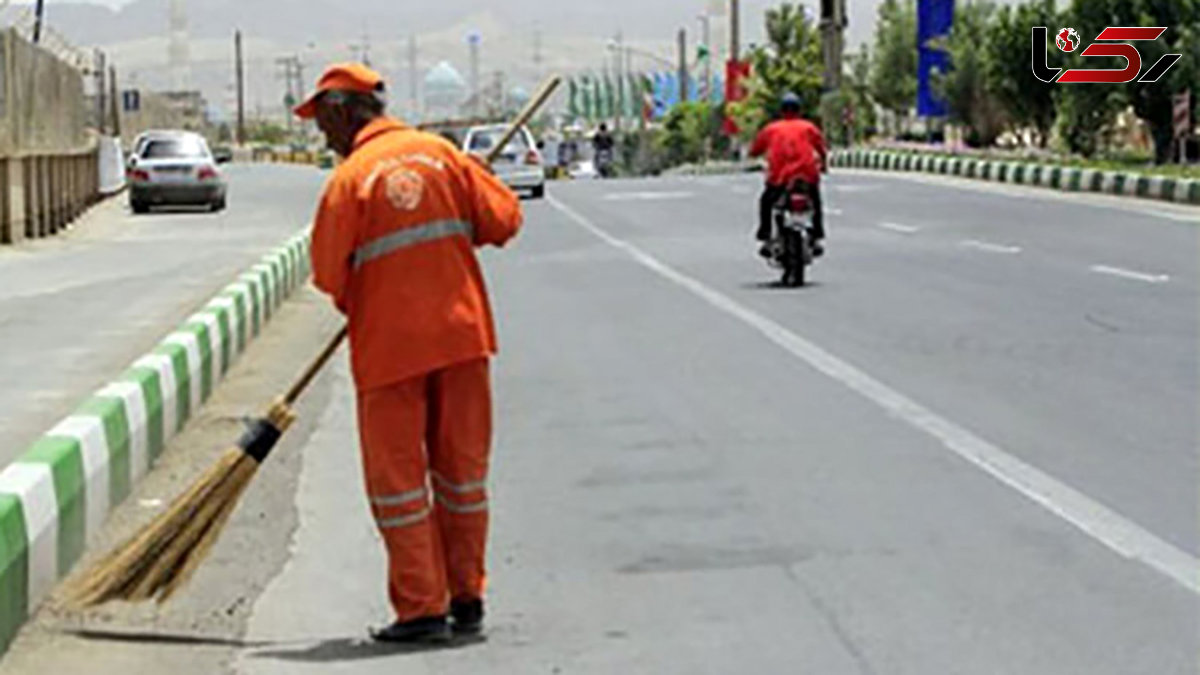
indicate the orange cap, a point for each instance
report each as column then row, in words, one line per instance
column 341, row 77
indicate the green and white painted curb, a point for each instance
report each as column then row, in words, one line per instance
column 56, row 496
column 1065, row 178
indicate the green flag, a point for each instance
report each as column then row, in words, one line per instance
column 610, row 99
column 588, row 100
column 597, row 99
column 573, row 108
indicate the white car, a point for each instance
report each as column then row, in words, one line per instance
column 519, row 166
column 174, row 169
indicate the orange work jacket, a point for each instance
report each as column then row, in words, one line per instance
column 394, row 245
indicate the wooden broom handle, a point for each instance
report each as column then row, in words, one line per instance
column 544, row 93
column 315, row 367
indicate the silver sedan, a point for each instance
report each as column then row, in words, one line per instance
column 175, row 170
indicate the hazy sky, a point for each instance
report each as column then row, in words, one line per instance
column 862, row 12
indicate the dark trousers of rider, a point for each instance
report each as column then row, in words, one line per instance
column 771, row 196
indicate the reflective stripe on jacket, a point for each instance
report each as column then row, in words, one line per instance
column 394, row 245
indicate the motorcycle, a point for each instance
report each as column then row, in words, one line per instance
column 604, row 163
column 791, row 246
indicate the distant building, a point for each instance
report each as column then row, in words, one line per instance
column 445, row 92
column 191, row 107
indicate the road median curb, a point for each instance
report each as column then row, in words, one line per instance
column 1052, row 176
column 57, row 495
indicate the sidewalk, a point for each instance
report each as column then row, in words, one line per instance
column 78, row 309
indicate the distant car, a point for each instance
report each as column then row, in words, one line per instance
column 145, row 137
column 223, row 154
column 519, row 165
column 175, row 170
column 584, row 170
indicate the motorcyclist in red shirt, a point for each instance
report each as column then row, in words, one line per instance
column 796, row 152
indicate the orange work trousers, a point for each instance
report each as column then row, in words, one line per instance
column 426, row 443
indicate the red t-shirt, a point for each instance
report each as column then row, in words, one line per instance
column 794, row 148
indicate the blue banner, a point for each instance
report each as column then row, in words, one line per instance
column 934, row 19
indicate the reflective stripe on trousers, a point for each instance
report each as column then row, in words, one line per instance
column 411, row 236
column 450, row 495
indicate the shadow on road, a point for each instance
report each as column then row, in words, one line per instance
column 148, row 638
column 777, row 286
column 360, row 649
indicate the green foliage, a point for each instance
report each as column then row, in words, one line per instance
column 1027, row 101
column 268, row 133
column 857, row 83
column 966, row 88
column 1087, row 111
column 791, row 61
column 894, row 72
column 692, row 133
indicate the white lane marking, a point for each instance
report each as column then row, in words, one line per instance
column 1131, row 274
column 833, row 212
column 1185, row 214
column 990, row 247
column 1106, row 526
column 646, row 196
column 902, row 229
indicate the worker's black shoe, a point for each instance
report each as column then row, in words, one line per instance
column 467, row 616
column 430, row 630
column 818, row 249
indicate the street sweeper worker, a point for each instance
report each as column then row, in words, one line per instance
column 394, row 245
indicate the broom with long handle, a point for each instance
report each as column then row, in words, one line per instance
column 159, row 560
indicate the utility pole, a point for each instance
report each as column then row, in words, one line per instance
column 40, row 14
column 735, row 30
column 620, row 62
column 240, row 70
column 101, row 65
column 833, row 27
column 113, row 100
column 706, row 26
column 290, row 98
column 683, row 66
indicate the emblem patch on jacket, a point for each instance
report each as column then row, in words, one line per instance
column 405, row 189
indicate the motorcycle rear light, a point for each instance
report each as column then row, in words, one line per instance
column 799, row 203
column 533, row 158
column 140, row 175
column 206, row 173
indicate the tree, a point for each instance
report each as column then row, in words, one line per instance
column 1027, row 101
column 791, row 61
column 894, row 72
column 691, row 132
column 966, row 87
column 1082, row 105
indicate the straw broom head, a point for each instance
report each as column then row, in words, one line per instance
column 163, row 556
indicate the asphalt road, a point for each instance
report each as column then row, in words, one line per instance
column 969, row 447
column 75, row 310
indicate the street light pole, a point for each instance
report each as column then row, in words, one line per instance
column 735, row 31
column 683, row 66
column 40, row 12
column 241, row 89
column 706, row 26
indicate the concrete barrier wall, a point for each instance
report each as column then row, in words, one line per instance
column 49, row 172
